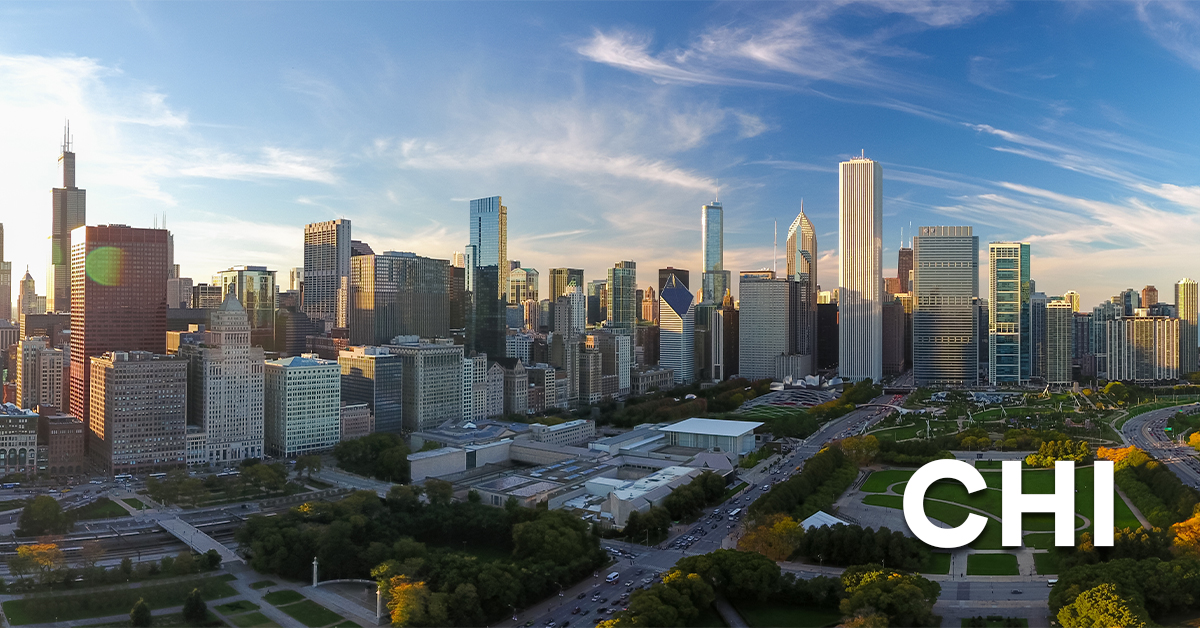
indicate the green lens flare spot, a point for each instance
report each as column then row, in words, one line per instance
column 105, row 265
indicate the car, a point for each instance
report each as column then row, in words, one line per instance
column 603, row 600
column 581, row 596
column 600, row 611
column 714, row 526
column 585, row 612
column 1017, row 592
column 575, row 611
column 528, row 624
column 629, row 589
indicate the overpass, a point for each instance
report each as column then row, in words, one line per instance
column 195, row 538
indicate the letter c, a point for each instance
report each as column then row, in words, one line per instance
column 914, row 504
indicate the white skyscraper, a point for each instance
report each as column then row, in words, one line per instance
column 860, row 270
column 225, row 386
column 1186, row 310
column 676, row 336
column 303, row 405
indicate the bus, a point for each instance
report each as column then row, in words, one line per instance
column 11, row 484
column 733, row 513
column 158, row 476
column 613, row 578
column 123, row 477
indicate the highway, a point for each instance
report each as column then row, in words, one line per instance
column 1146, row 432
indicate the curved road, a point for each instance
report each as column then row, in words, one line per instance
column 1146, row 432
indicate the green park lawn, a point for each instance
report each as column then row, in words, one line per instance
column 938, row 563
column 903, row 432
column 311, row 614
column 237, row 606
column 286, row 596
column 253, row 620
column 992, row 565
column 987, row 464
column 347, row 624
column 170, row 620
column 103, row 508
column 262, row 584
column 773, row 614
column 135, row 503
column 60, row 608
column 1045, row 562
column 879, row 481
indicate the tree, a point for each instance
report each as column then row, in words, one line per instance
column 90, row 553
column 439, row 491
column 776, row 538
column 127, row 566
column 1102, row 607
column 184, row 563
column 1187, row 537
column 43, row 515
column 905, row 599
column 139, row 616
column 308, row 464
column 212, row 559
column 195, row 611
column 45, row 558
column 861, row 449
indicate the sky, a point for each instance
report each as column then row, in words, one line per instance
column 606, row 126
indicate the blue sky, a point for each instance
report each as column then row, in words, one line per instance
column 606, row 126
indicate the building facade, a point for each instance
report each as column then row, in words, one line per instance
column 489, row 239
column 39, row 373
column 138, row 417
column 375, row 377
column 1143, row 349
column 860, row 270
column 398, row 294
column 433, row 384
column 1060, row 342
column 18, row 440
column 564, row 280
column 676, row 348
column 255, row 288
column 802, row 269
column 715, row 279
column 1010, row 334
column 945, row 285
column 326, row 267
column 1186, row 309
column 522, row 285
column 303, row 405
column 622, row 300
column 70, row 213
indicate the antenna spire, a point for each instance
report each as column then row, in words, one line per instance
column 717, row 198
column 775, row 249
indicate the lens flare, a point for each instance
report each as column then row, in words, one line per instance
column 105, row 265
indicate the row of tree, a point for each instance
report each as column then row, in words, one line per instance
column 382, row 455
column 704, row 490
column 1052, row 451
column 824, row 477
column 1156, row 491
column 1125, row 592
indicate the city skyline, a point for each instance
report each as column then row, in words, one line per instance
column 968, row 131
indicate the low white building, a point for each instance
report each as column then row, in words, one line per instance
column 714, row 434
column 573, row 433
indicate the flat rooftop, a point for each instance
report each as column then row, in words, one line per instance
column 712, row 427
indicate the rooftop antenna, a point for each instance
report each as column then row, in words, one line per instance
column 718, row 194
column 66, row 145
column 775, row 249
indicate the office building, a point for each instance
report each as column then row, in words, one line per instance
column 433, row 384
column 179, row 292
column 138, row 408
column 254, row 287
column 39, row 373
column 398, row 294
column 731, row 336
column 522, row 285
column 5, row 283
column 70, row 213
column 563, row 280
column 904, row 268
column 860, row 270
column 326, row 267
column 764, row 324
column 303, row 405
column 650, row 305
column 1010, row 337
column 56, row 327
column 225, row 386
column 622, row 304
column 296, row 278
column 1185, row 310
column 665, row 273
column 597, row 295
column 206, row 297
column 1060, row 342
column 19, row 436
column 1037, row 319
column 676, row 348
column 1149, row 296
column 945, row 285
column 715, row 279
column 28, row 301
column 516, row 386
column 1101, row 315
column 1143, row 349
column 616, row 356
column 487, row 323
column 895, row 356
column 802, row 269
column 489, row 239
column 119, row 302
column 827, row 336
column 63, row 437
column 357, row 421
column 1072, row 297
column 374, row 376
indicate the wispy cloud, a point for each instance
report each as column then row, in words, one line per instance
column 276, row 164
column 1175, row 26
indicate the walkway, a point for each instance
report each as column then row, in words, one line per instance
column 194, row 538
column 728, row 613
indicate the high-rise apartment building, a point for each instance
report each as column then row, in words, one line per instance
column 254, row 287
column 70, row 213
column 802, row 269
column 489, row 238
column 1072, row 297
column 622, row 302
column 1010, row 337
column 119, row 301
column 1149, row 296
column 303, row 405
column 1143, row 349
column 860, row 270
column 676, row 341
column 39, row 373
column 1185, row 309
column 225, row 386
column 433, row 384
column 1129, row 300
column 326, row 265
column 522, row 285
column 374, row 376
column 138, row 408
column 1060, row 342
column 398, row 294
column 1037, row 327
column 5, row 283
column 562, row 280
column 715, row 279
column 945, row 285
column 1101, row 315
column 904, row 268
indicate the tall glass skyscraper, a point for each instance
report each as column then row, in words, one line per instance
column 489, row 237
column 715, row 279
column 860, row 270
column 802, row 269
column 1010, row 338
column 622, row 299
column 945, row 285
column 1186, row 309
column 1060, row 341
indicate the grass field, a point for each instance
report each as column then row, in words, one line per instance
column 773, row 614
column 1041, row 540
column 253, row 620
column 879, row 481
column 987, row 464
column 311, row 614
column 135, row 503
column 170, row 620
column 992, row 565
column 904, row 432
column 237, row 606
column 103, row 508
column 938, row 563
column 287, row 596
column 1046, row 563
column 347, row 624
column 709, row 618
column 262, row 584
column 60, row 608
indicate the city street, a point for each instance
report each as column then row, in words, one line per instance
column 1147, row 432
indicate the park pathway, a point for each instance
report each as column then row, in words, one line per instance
column 728, row 613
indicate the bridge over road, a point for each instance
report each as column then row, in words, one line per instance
column 195, row 538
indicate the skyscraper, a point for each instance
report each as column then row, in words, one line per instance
column 139, row 423
column 1010, row 349
column 763, row 321
column 522, row 285
column 1037, row 330
column 119, row 300
column 374, row 376
column 489, row 237
column 486, row 320
column 1149, row 296
column 225, row 386
column 1060, row 342
column 433, row 383
column 39, row 373
column 904, row 268
column 802, row 269
column 676, row 330
column 1101, row 315
column 5, row 283
column 1143, row 349
column 622, row 304
column 326, row 264
column 665, row 273
column 302, row 405
column 715, row 279
column 561, row 280
column 945, row 285
column 1185, row 309
column 860, row 270
column 254, row 287
column 1072, row 297
column 28, row 301
column 70, row 213
column 398, row 293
